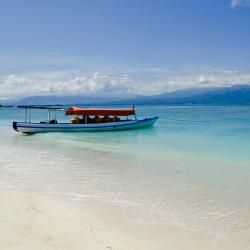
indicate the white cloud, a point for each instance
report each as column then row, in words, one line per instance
column 235, row 3
column 42, row 83
column 142, row 83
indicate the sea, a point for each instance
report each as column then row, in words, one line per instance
column 191, row 170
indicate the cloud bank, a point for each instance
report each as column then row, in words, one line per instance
column 235, row 3
column 155, row 82
column 14, row 85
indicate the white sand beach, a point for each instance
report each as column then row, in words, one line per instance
column 124, row 125
column 123, row 191
column 35, row 221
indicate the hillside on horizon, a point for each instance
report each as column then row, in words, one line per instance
column 235, row 95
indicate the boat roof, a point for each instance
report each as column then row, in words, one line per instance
column 47, row 107
column 99, row 111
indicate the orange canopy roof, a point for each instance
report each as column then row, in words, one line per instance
column 98, row 111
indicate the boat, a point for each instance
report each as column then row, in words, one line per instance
column 84, row 120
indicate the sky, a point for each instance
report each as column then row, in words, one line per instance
column 121, row 47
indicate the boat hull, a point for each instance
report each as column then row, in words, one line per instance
column 31, row 128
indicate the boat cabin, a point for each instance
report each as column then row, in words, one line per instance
column 97, row 115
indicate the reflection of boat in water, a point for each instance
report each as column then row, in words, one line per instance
column 85, row 120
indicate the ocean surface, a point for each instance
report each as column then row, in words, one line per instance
column 192, row 169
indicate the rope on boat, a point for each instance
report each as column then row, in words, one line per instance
column 196, row 121
column 166, row 118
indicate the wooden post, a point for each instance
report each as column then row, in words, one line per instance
column 25, row 114
column 49, row 115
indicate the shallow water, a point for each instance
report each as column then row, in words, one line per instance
column 191, row 170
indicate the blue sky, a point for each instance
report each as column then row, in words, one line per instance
column 122, row 46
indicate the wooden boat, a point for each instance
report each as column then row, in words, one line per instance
column 85, row 120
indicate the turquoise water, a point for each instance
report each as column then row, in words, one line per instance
column 192, row 169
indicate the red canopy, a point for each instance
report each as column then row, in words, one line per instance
column 98, row 111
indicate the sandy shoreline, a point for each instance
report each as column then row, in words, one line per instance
column 36, row 221
column 31, row 221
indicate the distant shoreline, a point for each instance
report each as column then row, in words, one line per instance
column 227, row 96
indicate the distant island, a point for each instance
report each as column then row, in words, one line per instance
column 235, row 95
column 6, row 106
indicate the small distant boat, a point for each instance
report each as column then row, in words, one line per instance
column 84, row 120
